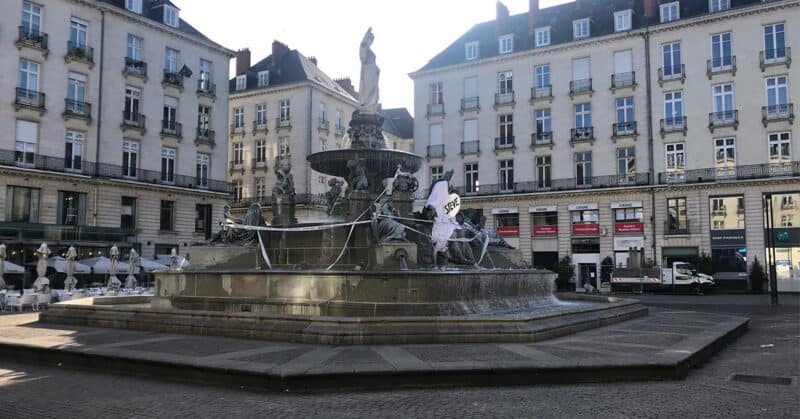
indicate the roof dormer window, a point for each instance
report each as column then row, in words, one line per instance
column 506, row 44
column 241, row 82
column 580, row 28
column 471, row 50
column 670, row 11
column 170, row 16
column 134, row 6
column 263, row 78
column 543, row 36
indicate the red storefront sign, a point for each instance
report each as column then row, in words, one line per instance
column 629, row 227
column 508, row 231
column 545, row 230
column 586, row 229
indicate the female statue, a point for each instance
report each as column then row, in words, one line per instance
column 370, row 73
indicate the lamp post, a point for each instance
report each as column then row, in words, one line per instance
column 773, row 272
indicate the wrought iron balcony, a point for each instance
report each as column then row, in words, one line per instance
column 775, row 56
column 470, row 147
column 77, row 109
column 594, row 182
column 206, row 88
column 283, row 123
column 29, row 99
column 31, row 38
column 504, row 143
column 773, row 113
column 676, row 72
column 744, row 172
column 581, row 134
column 259, row 126
column 677, row 228
column 266, row 200
column 470, row 104
column 542, row 93
column 435, row 109
column 259, row 163
column 173, row 79
column 237, row 129
column 721, row 65
column 205, row 136
column 132, row 120
column 236, row 166
column 171, row 128
column 621, row 80
column 324, row 124
column 674, row 124
column 79, row 52
column 579, row 87
column 506, row 98
column 436, row 151
column 624, row 129
column 339, row 130
column 135, row 68
column 58, row 233
column 719, row 119
column 542, row 138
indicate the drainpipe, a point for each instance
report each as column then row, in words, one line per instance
column 99, row 113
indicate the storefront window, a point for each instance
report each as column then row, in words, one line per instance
column 544, row 223
column 585, row 222
column 785, row 236
column 507, row 224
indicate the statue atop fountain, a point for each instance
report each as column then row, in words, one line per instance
column 368, row 92
column 283, row 194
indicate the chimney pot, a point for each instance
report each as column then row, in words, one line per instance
column 502, row 19
column 533, row 9
column 650, row 8
column 279, row 50
column 242, row 61
column 313, row 60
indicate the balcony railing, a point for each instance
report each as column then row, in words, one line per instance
column 470, row 147
column 104, row 170
column 54, row 233
column 236, row 165
column 172, row 78
column 260, row 126
column 729, row 118
column 721, row 65
column 132, row 120
column 744, row 172
column 266, row 200
column 624, row 129
column 596, row 182
column 620, row 80
column 582, row 134
column 677, row 228
column 29, row 99
column 324, row 124
column 136, row 68
column 578, row 87
column 77, row 109
column 504, row 143
column 339, row 129
column 205, row 87
column 541, row 138
column 171, row 128
column 435, row 109
column 259, row 163
column 506, row 98
column 283, row 122
column 436, row 151
column 237, row 129
column 542, row 93
column 470, row 104
column 80, row 52
column 674, row 124
column 32, row 38
column 676, row 72
column 205, row 136
column 775, row 56
column 782, row 112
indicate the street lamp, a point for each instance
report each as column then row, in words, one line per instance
column 773, row 272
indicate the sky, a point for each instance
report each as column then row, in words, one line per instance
column 408, row 33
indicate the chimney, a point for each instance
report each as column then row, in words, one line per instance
column 347, row 84
column 279, row 50
column 502, row 19
column 533, row 9
column 313, row 60
column 242, row 61
column 650, row 8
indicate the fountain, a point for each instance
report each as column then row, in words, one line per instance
column 374, row 273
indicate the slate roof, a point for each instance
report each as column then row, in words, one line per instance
column 398, row 122
column 294, row 67
column 559, row 18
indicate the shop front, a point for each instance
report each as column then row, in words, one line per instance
column 628, row 229
column 728, row 243
column 785, row 240
column 506, row 222
column 585, row 244
column 544, row 235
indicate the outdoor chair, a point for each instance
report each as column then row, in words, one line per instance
column 42, row 301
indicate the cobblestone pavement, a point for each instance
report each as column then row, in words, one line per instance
column 771, row 348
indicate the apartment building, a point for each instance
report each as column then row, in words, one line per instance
column 591, row 127
column 398, row 129
column 284, row 105
column 115, row 133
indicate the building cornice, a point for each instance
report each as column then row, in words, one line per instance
column 722, row 16
column 287, row 87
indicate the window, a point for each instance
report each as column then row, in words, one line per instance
column 622, row 215
column 263, row 78
column 506, row 130
column 437, row 172
column 261, row 151
column 774, row 42
column 506, row 175
column 585, row 216
column 672, row 59
column 670, row 12
column 580, row 28
column 130, row 158
column 168, row 164
column 133, row 97
column 471, row 50
column 505, row 82
column 471, row 133
column 545, row 223
column 134, row 6
column 29, row 77
column 626, row 164
column 260, row 184
column 543, row 171
column 543, row 36
column 728, row 211
column 506, row 44
column 170, row 113
column 583, row 115
column 238, row 118
column 170, row 16
column 238, row 153
column 542, row 76
column 435, row 134
column 76, row 93
column 725, row 152
column 676, row 214
column 673, row 110
column 22, row 204
column 71, row 209
column 238, row 189
column 676, row 161
column 202, row 223
column 624, row 110
column 205, row 75
column 436, row 93
column 285, row 109
column 261, row 115
column 471, row 184
column 583, row 168
column 780, row 151
column 171, row 60
column 31, row 18
column 73, row 150
column 134, row 51
column 721, row 55
column 323, row 113
column 202, row 170
column 719, row 5
column 543, row 125
column 26, row 139
column 241, row 82
column 127, row 218
column 283, row 146
column 167, row 216
column 622, row 20
column 777, row 94
column 723, row 102
column 339, row 120
column 203, row 119
column 78, row 30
